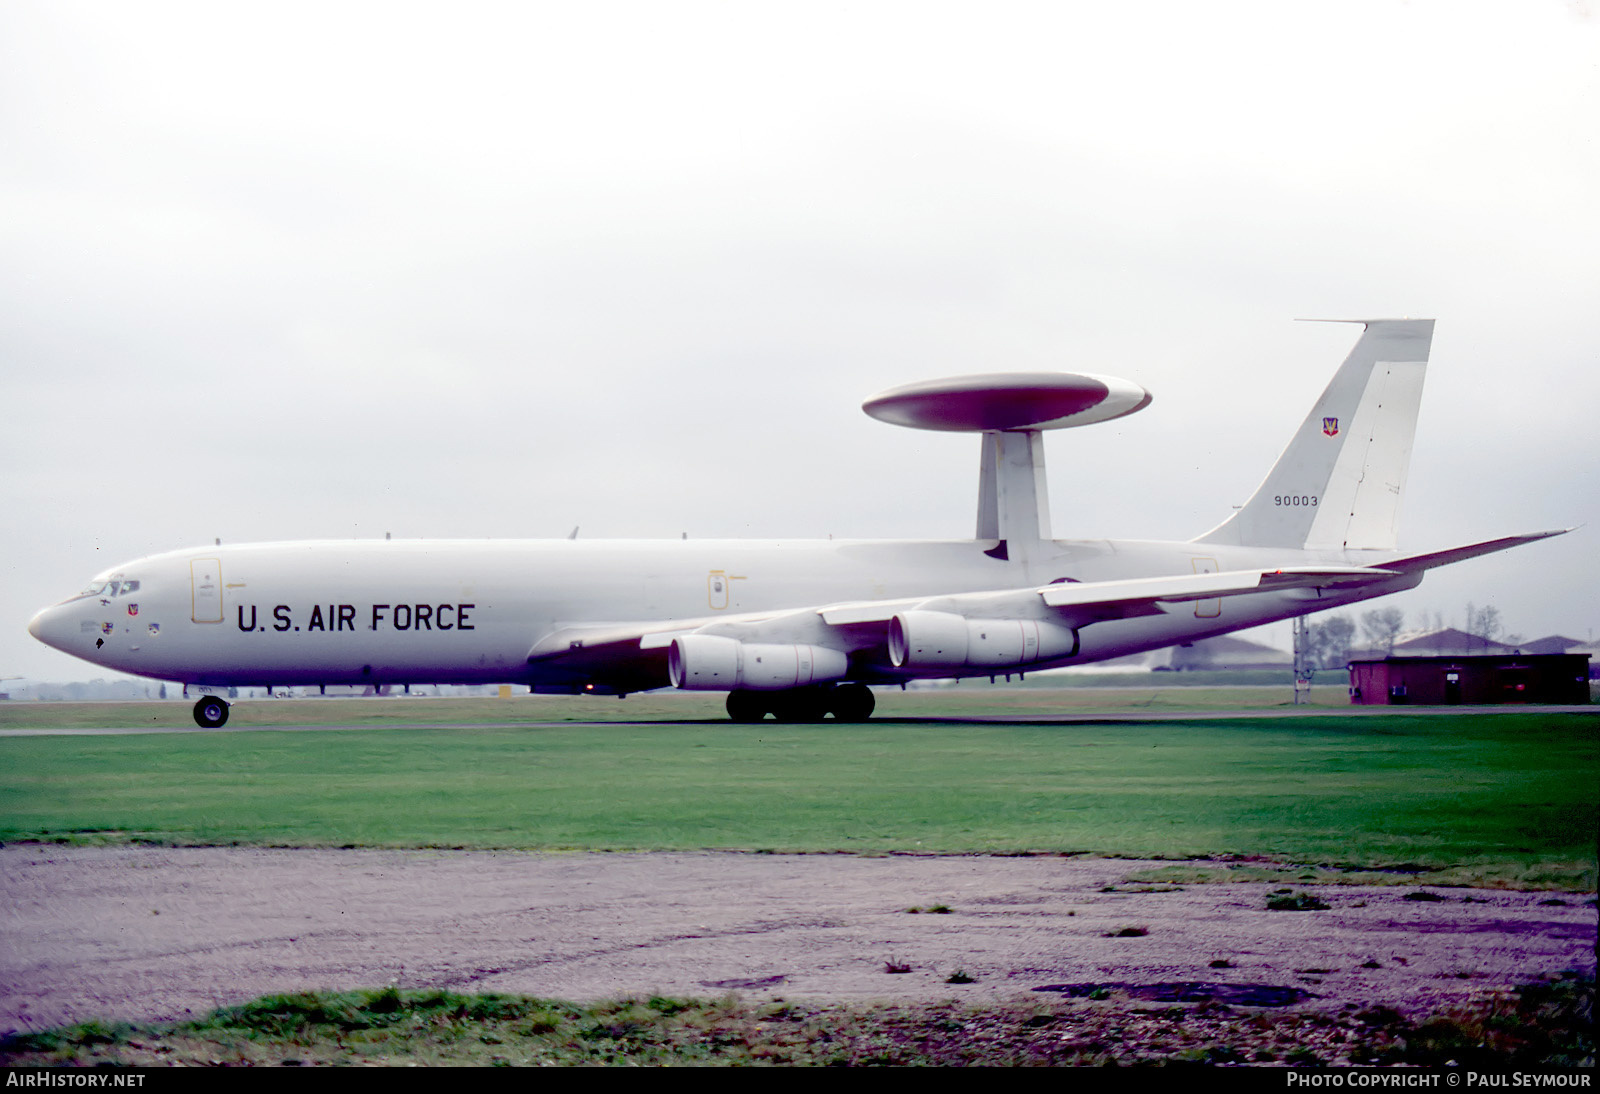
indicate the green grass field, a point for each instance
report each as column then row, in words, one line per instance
column 1509, row 796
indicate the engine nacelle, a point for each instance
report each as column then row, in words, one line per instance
column 942, row 640
column 709, row 662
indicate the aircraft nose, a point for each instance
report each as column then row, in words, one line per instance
column 45, row 627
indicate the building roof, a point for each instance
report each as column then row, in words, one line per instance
column 1447, row 640
column 1554, row 643
column 1228, row 651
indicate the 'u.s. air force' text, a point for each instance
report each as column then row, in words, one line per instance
column 346, row 617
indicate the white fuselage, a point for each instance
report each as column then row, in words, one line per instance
column 414, row 612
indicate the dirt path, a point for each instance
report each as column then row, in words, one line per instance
column 137, row 933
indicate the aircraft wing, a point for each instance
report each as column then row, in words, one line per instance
column 622, row 656
column 1079, row 603
column 566, row 641
column 634, row 655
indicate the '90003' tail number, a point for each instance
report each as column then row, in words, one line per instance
column 1309, row 501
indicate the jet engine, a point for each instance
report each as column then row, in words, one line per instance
column 708, row 662
column 943, row 640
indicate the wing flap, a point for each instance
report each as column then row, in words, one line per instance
column 872, row 611
column 1183, row 588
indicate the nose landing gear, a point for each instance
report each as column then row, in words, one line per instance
column 210, row 712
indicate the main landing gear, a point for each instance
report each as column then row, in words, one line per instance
column 210, row 712
column 846, row 702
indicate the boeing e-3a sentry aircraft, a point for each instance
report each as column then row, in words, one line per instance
column 798, row 630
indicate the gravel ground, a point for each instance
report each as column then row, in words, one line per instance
column 163, row 933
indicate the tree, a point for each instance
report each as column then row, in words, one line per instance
column 1381, row 627
column 1484, row 622
column 1330, row 641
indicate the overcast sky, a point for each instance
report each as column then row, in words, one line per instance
column 275, row 271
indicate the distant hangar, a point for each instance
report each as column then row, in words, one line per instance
column 1449, row 679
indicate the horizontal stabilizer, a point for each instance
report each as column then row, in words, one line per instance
column 1416, row 563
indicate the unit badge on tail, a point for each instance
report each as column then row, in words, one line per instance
column 1330, row 426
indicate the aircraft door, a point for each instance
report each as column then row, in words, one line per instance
column 1207, row 609
column 205, row 575
column 719, row 590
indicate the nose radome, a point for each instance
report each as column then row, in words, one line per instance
column 39, row 626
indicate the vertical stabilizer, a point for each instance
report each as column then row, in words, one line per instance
column 1339, row 483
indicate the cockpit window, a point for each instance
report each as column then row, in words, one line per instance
column 107, row 589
